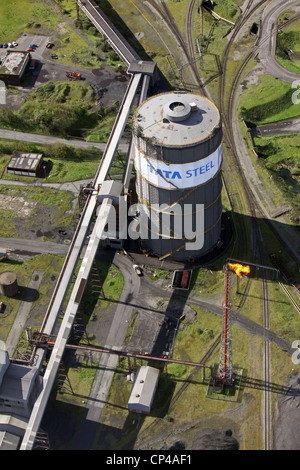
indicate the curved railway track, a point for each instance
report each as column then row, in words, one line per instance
column 254, row 210
column 253, row 207
column 188, row 51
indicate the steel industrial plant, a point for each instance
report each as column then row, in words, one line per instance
column 178, row 157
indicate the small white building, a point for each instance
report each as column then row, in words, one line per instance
column 143, row 390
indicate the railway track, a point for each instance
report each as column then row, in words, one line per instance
column 186, row 383
column 253, row 207
column 239, row 24
column 267, row 420
column 290, row 297
column 251, row 203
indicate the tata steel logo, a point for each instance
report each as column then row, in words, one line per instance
column 173, row 175
column 178, row 175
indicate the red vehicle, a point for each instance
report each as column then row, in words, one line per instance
column 29, row 49
column 185, row 279
column 73, row 75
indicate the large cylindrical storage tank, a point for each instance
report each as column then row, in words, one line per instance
column 8, row 284
column 178, row 156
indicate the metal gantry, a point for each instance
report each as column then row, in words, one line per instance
column 225, row 369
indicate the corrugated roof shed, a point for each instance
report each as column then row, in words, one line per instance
column 143, row 390
column 25, row 161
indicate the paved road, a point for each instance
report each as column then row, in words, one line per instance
column 33, row 246
column 73, row 187
column 19, row 324
column 49, row 140
column 267, row 44
column 237, row 318
column 290, row 126
column 107, row 362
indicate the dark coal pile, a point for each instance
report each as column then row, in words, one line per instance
column 178, row 445
column 213, row 439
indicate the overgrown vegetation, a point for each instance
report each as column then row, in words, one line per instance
column 63, row 109
column 279, row 155
column 268, row 101
column 288, row 49
column 25, row 16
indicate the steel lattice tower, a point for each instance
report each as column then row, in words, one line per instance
column 225, row 363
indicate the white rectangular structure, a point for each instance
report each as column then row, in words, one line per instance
column 143, row 390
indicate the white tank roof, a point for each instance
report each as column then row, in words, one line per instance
column 177, row 118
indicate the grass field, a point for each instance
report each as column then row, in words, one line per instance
column 268, row 101
column 46, row 207
column 280, row 155
column 57, row 108
column 61, row 108
column 63, row 163
column 288, row 47
column 50, row 266
column 73, row 50
column 29, row 16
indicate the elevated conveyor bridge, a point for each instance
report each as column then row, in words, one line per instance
column 141, row 73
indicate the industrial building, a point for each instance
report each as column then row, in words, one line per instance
column 25, row 164
column 178, row 157
column 19, row 385
column 143, row 390
column 13, row 67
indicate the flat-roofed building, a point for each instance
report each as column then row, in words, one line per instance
column 25, row 164
column 19, row 386
column 143, row 390
column 13, row 67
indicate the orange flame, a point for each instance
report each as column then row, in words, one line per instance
column 239, row 269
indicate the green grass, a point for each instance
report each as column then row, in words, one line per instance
column 193, row 339
column 289, row 40
column 71, row 49
column 279, row 155
column 59, row 201
column 178, row 10
column 285, row 321
column 64, row 163
column 57, row 108
column 4, row 159
column 29, row 16
column 204, row 281
column 226, row 9
column 64, row 109
column 112, row 282
column 268, row 101
column 50, row 265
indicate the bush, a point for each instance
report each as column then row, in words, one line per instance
column 177, row 370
